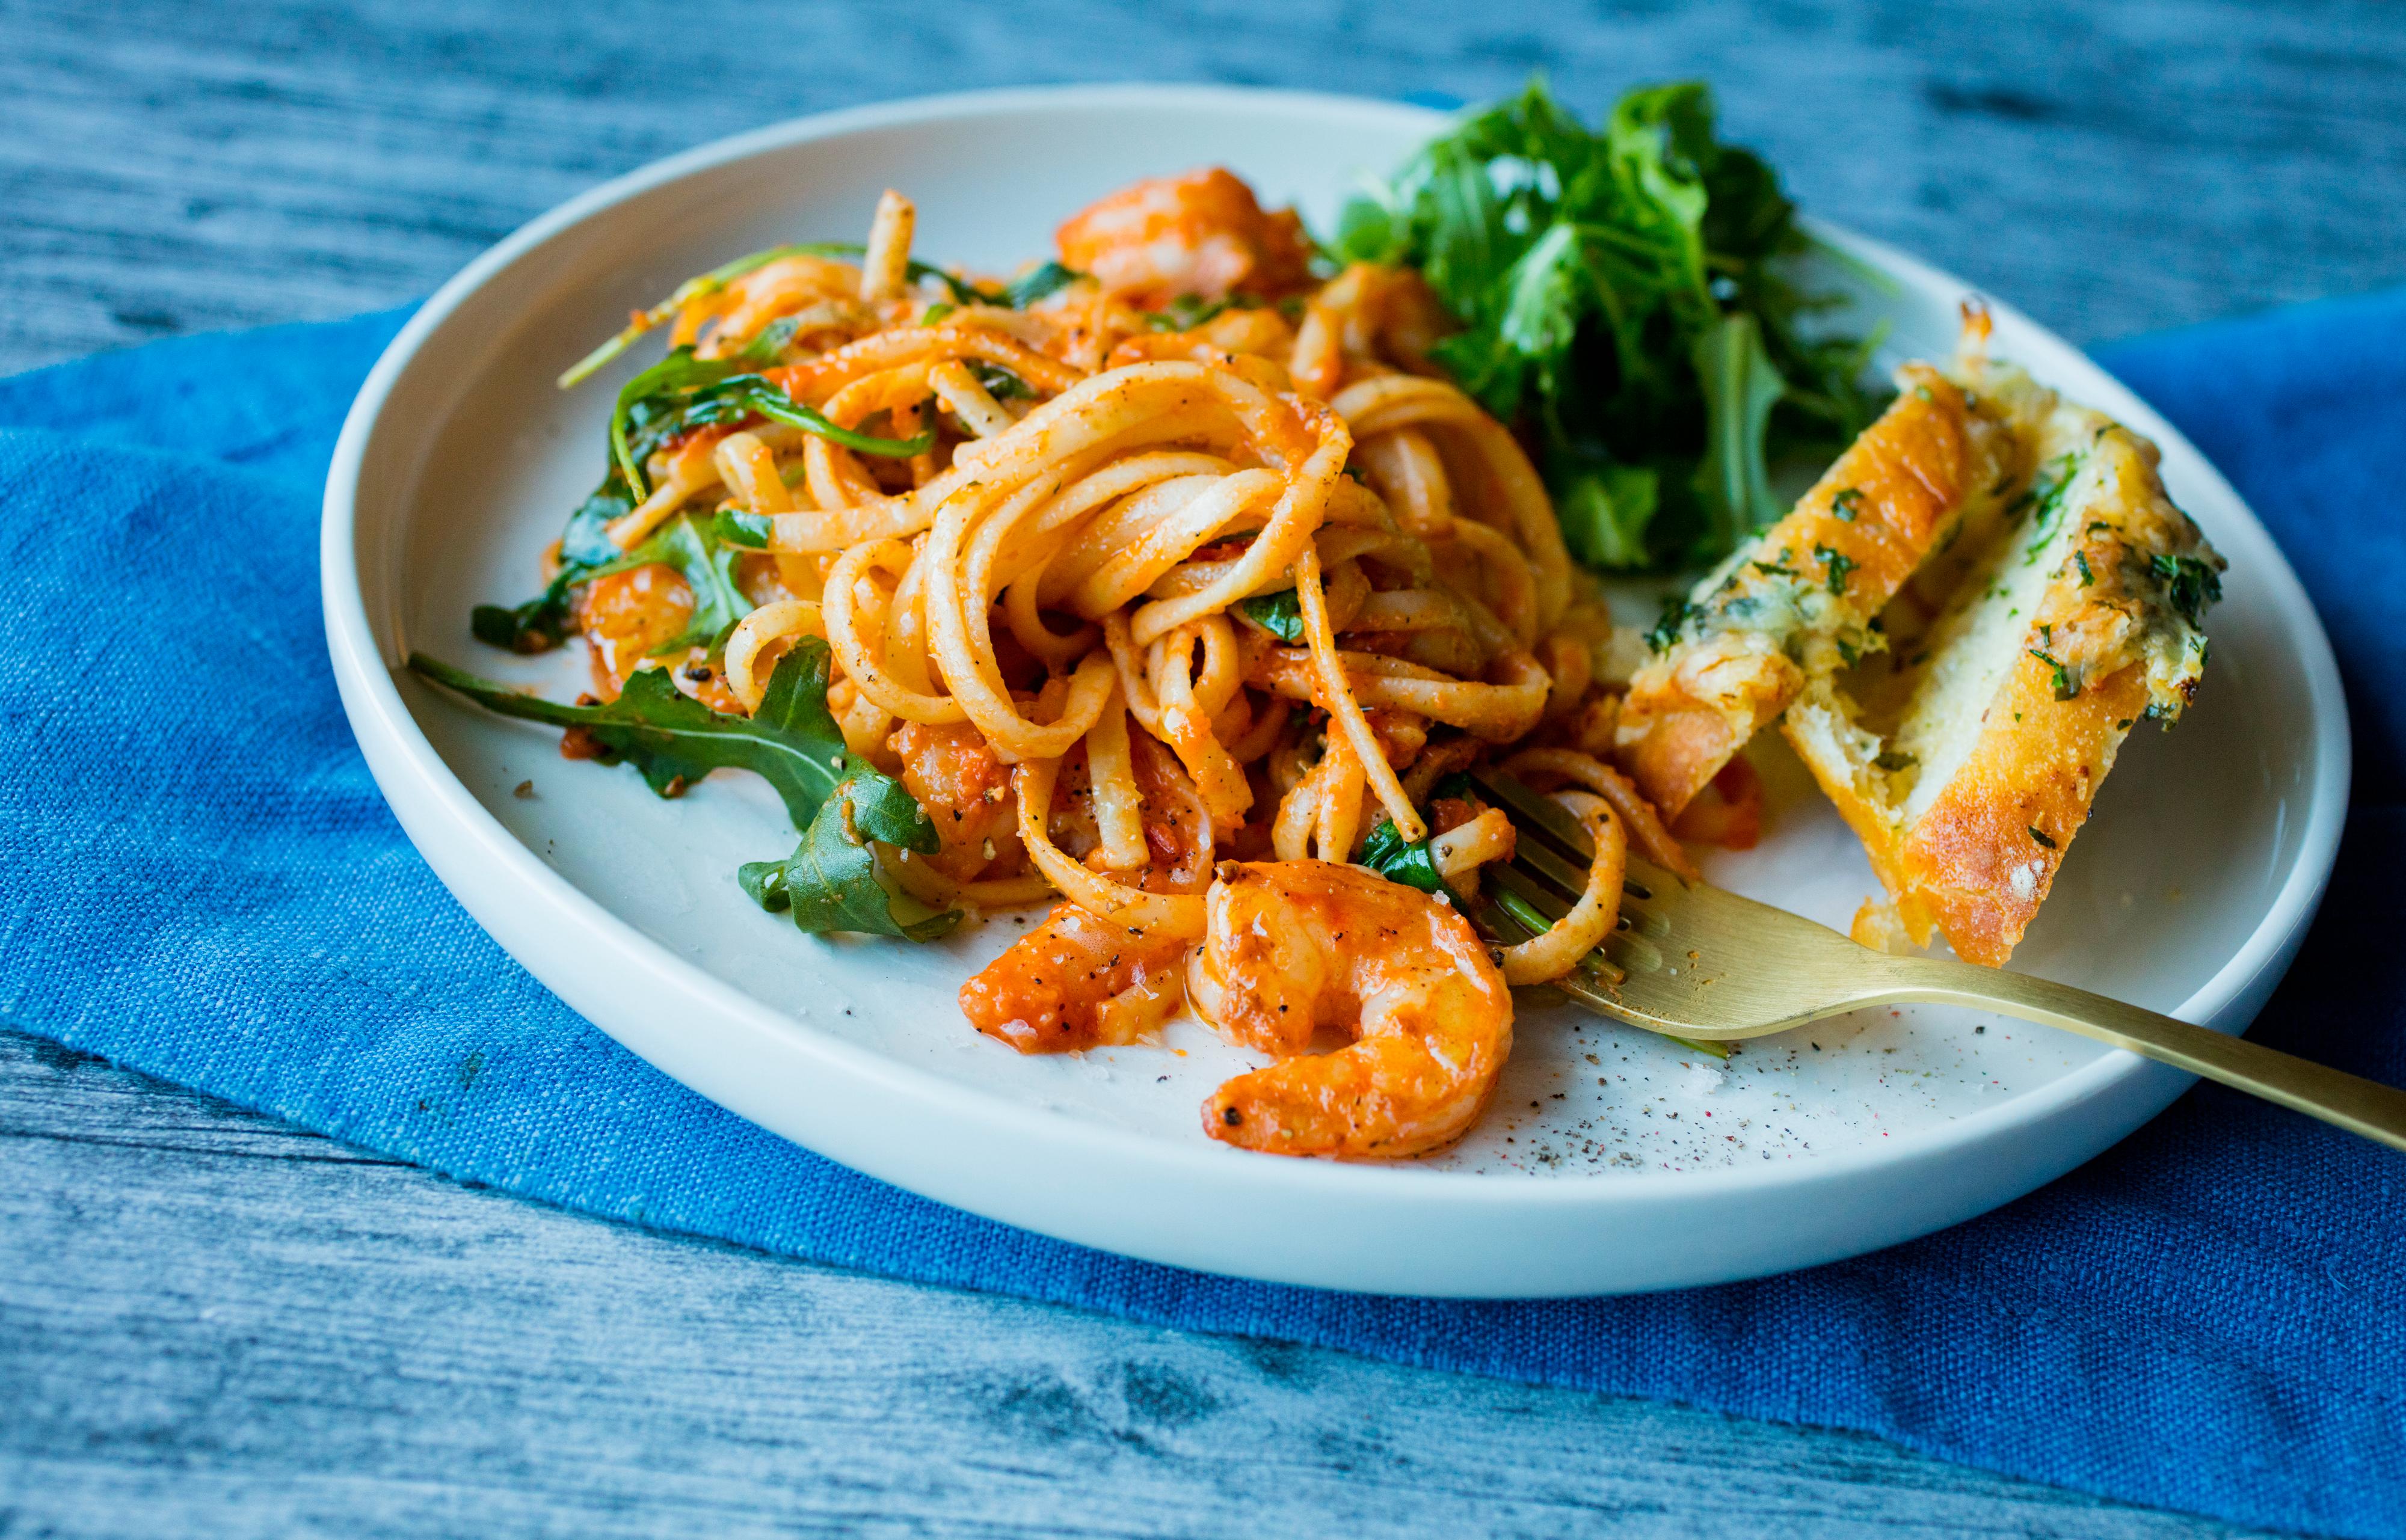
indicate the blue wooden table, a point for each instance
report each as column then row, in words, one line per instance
column 212, row 1322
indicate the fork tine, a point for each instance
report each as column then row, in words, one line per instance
column 1542, row 860
column 1599, row 999
column 1541, row 877
column 1529, row 810
column 1540, row 895
column 1502, row 924
column 1706, row 967
column 1532, row 811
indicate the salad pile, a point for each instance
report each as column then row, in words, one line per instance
column 1624, row 302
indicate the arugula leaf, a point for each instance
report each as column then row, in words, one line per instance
column 1040, row 283
column 1369, row 229
column 679, row 371
column 1036, row 285
column 1466, row 247
column 700, row 287
column 1604, row 509
column 708, row 566
column 536, row 625
column 1184, row 313
column 1000, row 383
column 701, row 553
column 791, row 741
column 769, row 347
column 682, row 392
column 830, row 881
column 1279, row 614
column 544, row 621
column 1622, row 298
column 744, row 531
column 837, row 801
column 1386, row 852
column 1455, row 783
column 1741, row 387
column 1659, row 143
column 1545, row 292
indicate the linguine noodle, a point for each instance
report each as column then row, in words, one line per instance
column 1125, row 572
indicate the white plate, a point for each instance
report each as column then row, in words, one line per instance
column 1612, row 1161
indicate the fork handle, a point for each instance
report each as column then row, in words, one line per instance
column 2359, row 1106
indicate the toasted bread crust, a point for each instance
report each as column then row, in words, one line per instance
column 1982, row 857
column 1821, row 728
column 2079, row 620
column 1800, row 600
column 1701, row 718
column 1983, row 853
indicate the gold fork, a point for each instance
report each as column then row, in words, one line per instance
column 1693, row 961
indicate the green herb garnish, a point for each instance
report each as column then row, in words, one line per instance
column 1037, row 284
column 1677, row 610
column 1386, row 852
column 1836, row 565
column 1622, row 293
column 2190, row 583
column 835, row 798
column 1279, row 614
column 2067, row 683
column 2048, row 490
column 682, row 393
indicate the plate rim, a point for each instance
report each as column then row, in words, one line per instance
column 421, row 787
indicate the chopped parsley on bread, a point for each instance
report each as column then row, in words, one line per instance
column 2028, row 593
column 1804, row 599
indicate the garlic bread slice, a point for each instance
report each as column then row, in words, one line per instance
column 1801, row 600
column 1968, row 759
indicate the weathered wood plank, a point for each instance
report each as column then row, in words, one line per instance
column 212, row 1322
column 169, row 167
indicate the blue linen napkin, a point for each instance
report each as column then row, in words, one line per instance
column 202, row 881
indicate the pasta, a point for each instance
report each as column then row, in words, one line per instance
column 1189, row 581
column 1159, row 557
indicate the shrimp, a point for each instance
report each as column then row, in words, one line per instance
column 1296, row 945
column 1202, row 233
column 966, row 792
column 629, row 617
column 626, row 615
column 1077, row 980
